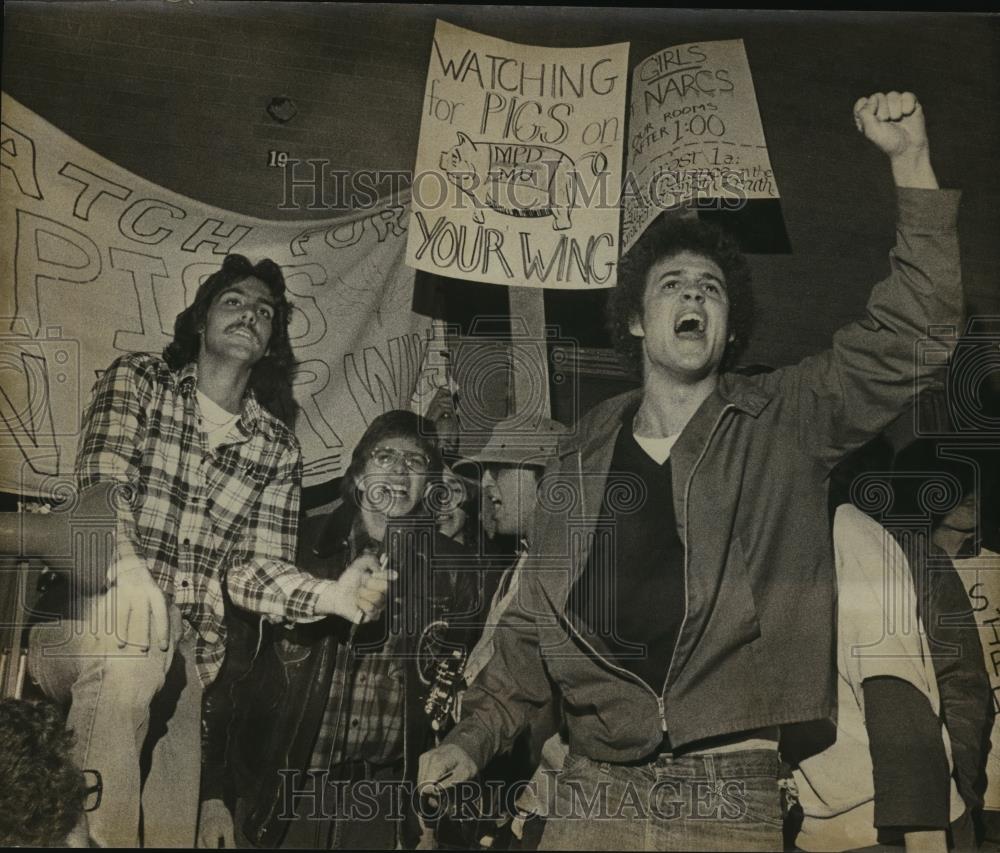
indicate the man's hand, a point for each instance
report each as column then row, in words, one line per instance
column 359, row 594
column 140, row 608
column 444, row 766
column 895, row 123
column 215, row 825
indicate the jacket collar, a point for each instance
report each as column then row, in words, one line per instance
column 335, row 533
column 252, row 416
column 343, row 528
column 602, row 427
column 744, row 392
column 594, row 442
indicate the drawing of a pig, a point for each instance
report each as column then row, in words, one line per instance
column 512, row 178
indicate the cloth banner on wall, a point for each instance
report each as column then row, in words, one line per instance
column 518, row 168
column 695, row 134
column 96, row 262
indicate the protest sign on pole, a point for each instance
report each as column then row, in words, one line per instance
column 695, row 134
column 519, row 162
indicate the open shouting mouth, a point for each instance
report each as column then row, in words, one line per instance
column 690, row 325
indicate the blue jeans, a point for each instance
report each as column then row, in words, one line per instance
column 123, row 703
column 717, row 801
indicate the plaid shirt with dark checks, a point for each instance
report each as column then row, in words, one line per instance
column 363, row 722
column 365, row 714
column 198, row 518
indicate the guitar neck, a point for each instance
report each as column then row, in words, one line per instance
column 14, row 596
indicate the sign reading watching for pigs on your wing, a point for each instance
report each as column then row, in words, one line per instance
column 518, row 168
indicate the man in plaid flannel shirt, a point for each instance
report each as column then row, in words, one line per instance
column 205, row 479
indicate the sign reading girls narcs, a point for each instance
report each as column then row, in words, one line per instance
column 518, row 170
column 695, row 134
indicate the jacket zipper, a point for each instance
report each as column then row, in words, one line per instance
column 260, row 639
column 687, row 539
column 406, row 725
column 335, row 830
column 231, row 690
column 631, row 676
column 660, row 701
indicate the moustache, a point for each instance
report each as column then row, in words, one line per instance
column 242, row 325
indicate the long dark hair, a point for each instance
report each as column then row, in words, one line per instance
column 396, row 423
column 271, row 377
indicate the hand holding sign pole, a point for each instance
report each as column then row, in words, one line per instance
column 519, row 162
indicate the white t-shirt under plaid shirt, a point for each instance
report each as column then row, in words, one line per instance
column 198, row 517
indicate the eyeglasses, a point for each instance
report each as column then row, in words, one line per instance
column 389, row 457
column 93, row 791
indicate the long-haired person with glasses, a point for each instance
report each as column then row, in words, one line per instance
column 309, row 741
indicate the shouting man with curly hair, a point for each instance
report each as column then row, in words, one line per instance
column 682, row 604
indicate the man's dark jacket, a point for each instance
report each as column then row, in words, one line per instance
column 959, row 667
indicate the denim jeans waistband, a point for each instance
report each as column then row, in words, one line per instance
column 744, row 763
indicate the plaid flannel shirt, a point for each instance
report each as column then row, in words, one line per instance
column 365, row 714
column 198, row 518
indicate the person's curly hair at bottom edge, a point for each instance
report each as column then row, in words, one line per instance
column 41, row 790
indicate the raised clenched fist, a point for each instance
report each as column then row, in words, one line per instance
column 894, row 121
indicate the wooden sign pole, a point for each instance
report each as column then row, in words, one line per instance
column 527, row 321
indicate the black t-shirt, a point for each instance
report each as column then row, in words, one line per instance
column 629, row 600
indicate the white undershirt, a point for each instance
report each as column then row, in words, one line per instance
column 658, row 449
column 215, row 421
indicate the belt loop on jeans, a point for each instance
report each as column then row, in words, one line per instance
column 709, row 763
